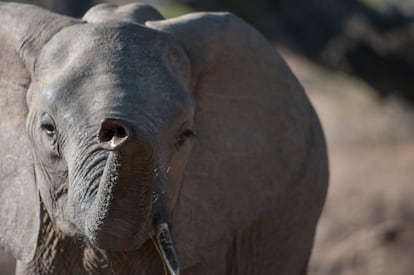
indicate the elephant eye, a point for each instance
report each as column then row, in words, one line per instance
column 49, row 129
column 48, row 126
column 183, row 136
column 50, row 135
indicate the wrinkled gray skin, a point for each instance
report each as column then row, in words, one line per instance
column 121, row 121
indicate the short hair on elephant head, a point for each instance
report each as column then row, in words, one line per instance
column 122, row 131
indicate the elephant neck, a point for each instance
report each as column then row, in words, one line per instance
column 58, row 253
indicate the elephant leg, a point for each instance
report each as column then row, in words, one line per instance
column 56, row 253
column 61, row 254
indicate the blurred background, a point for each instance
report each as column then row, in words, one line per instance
column 355, row 59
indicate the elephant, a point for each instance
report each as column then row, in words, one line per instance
column 135, row 144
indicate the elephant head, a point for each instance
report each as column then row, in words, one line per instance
column 103, row 119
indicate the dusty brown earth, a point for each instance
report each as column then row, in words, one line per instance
column 367, row 226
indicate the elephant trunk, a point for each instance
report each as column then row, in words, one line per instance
column 120, row 218
column 131, row 204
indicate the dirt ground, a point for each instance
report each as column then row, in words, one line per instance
column 367, row 226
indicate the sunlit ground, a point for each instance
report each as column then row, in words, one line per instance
column 367, row 226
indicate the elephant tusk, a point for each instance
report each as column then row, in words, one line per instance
column 165, row 246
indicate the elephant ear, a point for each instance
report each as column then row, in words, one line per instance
column 224, row 48
column 252, row 115
column 24, row 29
column 254, row 124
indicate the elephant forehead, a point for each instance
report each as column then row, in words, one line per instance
column 110, row 47
column 116, row 67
